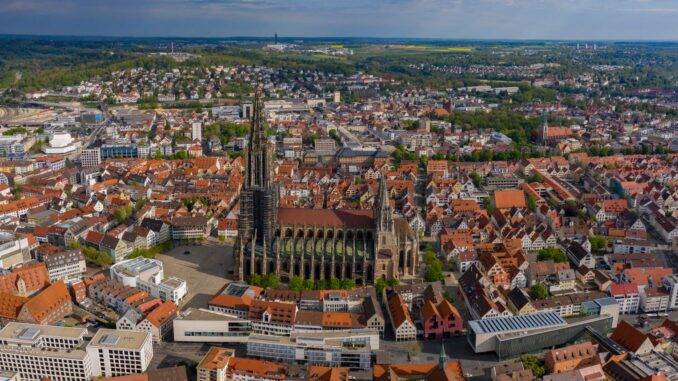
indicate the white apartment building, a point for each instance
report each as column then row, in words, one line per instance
column 654, row 300
column 119, row 353
column 90, row 157
column 68, row 266
column 196, row 131
column 38, row 351
column 627, row 296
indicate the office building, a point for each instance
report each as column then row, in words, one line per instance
column 350, row 349
column 147, row 274
column 204, row 326
column 90, row 157
column 119, row 353
column 514, row 335
column 119, row 151
column 38, row 351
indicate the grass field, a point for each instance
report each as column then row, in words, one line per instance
column 438, row 49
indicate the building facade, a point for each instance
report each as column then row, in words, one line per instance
column 315, row 243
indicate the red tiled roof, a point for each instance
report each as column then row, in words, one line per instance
column 41, row 305
column 33, row 275
column 509, row 198
column 628, row 336
column 326, row 217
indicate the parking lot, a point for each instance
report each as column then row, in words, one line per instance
column 204, row 267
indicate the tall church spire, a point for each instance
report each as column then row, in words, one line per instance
column 258, row 163
column 258, row 199
column 384, row 213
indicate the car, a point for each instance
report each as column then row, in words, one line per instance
column 187, row 252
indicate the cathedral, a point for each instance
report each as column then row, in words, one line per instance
column 363, row 245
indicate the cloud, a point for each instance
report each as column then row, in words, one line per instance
column 547, row 19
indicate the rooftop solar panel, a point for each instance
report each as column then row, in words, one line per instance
column 514, row 323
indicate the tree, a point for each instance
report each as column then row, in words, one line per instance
column 531, row 203
column 535, row 178
column 380, row 285
column 475, row 177
column 598, row 243
column 334, row 284
column 296, row 283
column 551, row 253
column 539, row 291
column 123, row 213
column 434, row 267
column 488, row 204
column 270, row 280
column 346, row 284
column 255, row 280
column 534, row 364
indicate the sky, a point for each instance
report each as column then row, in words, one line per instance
column 449, row 19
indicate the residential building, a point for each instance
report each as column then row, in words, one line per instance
column 571, row 357
column 47, row 307
column 627, row 295
column 221, row 364
column 160, row 229
column 670, row 282
column 441, row 320
column 443, row 370
column 68, row 266
column 189, row 228
column 632, row 339
column 158, row 322
column 654, row 299
column 401, row 320
column 24, row 280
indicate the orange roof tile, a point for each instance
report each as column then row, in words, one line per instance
column 162, row 313
column 10, row 305
column 509, row 198
column 51, row 298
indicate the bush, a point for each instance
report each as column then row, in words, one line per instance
column 534, row 364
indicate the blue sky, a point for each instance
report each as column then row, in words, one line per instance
column 489, row 19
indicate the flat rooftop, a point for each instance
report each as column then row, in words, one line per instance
column 28, row 333
column 137, row 266
column 119, row 339
column 197, row 314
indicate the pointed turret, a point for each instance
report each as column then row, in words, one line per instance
column 442, row 359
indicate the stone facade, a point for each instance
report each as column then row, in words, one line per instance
column 362, row 245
